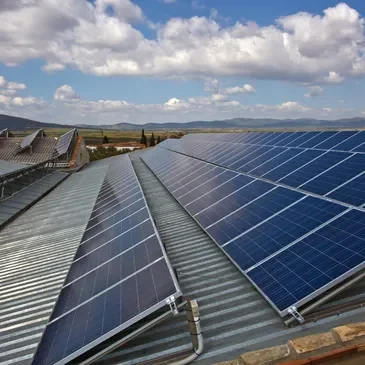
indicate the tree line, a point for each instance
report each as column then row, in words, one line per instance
column 153, row 140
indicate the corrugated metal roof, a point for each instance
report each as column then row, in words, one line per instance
column 42, row 150
column 36, row 251
column 7, row 167
column 26, row 197
column 234, row 316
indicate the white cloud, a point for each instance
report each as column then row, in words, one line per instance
column 341, row 101
column 313, row 91
column 292, row 106
column 15, row 86
column 53, row 67
column 219, row 97
column 240, row 90
column 334, row 78
column 66, row 93
column 9, row 88
column 5, row 99
column 125, row 10
column 8, row 91
column 322, row 48
column 174, row 104
column 26, row 101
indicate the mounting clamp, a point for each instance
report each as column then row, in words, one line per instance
column 294, row 312
column 171, row 301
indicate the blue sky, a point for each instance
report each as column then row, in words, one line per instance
column 110, row 61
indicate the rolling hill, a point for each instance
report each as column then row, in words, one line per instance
column 16, row 123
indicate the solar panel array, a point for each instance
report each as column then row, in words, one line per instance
column 292, row 244
column 65, row 141
column 28, row 140
column 120, row 273
column 325, row 163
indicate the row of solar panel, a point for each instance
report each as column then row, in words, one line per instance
column 330, row 140
column 338, row 175
column 119, row 271
column 260, row 224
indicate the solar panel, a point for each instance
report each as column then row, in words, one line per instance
column 120, row 273
column 263, row 223
column 313, row 168
column 337, row 175
column 319, row 138
column 336, row 139
column 64, row 142
column 353, row 192
column 6, row 133
column 313, row 264
column 279, row 231
column 251, row 214
column 351, row 143
column 302, row 139
column 28, row 140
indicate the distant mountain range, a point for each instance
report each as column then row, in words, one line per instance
column 15, row 123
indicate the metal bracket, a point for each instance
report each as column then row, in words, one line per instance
column 171, row 301
column 294, row 312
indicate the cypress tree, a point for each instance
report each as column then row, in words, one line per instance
column 152, row 140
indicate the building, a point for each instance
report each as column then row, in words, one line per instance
column 74, row 261
column 67, row 151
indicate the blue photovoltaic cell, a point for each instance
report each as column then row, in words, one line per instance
column 203, row 179
column 302, row 139
column 107, row 275
column 314, row 263
column 225, row 153
column 243, row 150
column 352, row 193
column 335, row 140
column 249, row 157
column 214, row 195
column 277, row 137
column 205, row 188
column 261, row 159
column 252, row 214
column 336, row 176
column 317, row 139
column 351, row 143
column 106, row 314
column 233, row 202
column 360, row 148
column 107, row 252
column 292, row 137
column 113, row 199
column 131, row 237
column 133, row 213
column 281, row 230
column 292, row 164
column 276, row 161
column 134, row 202
column 313, row 168
column 202, row 173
